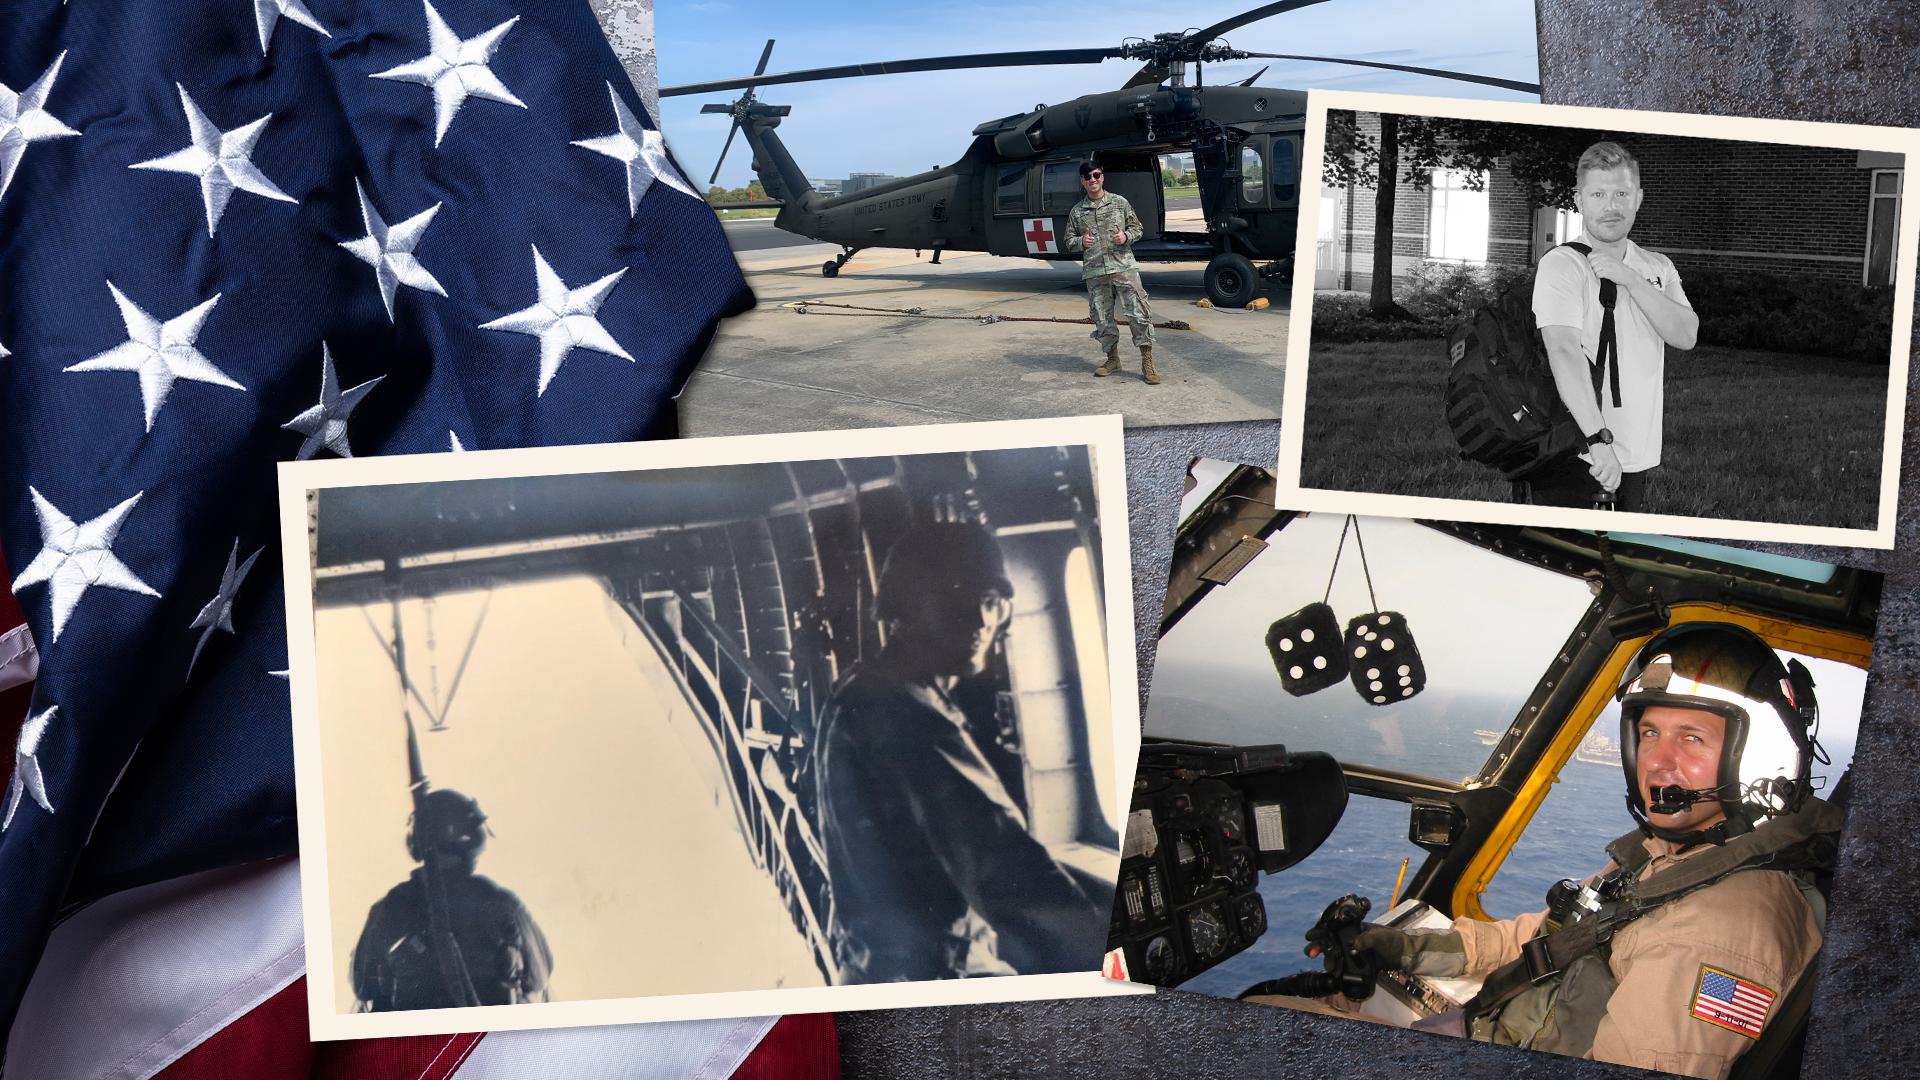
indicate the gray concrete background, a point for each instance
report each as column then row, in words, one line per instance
column 1804, row 59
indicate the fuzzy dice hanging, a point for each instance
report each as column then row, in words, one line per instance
column 1306, row 649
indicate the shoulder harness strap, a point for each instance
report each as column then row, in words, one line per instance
column 1607, row 361
column 1805, row 839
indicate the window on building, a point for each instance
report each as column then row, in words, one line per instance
column 1458, row 216
column 1883, row 225
column 1011, row 197
column 1060, row 187
column 1253, row 176
column 1566, row 226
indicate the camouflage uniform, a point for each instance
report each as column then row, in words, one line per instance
column 1113, row 279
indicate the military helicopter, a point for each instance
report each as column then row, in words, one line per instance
column 1010, row 192
column 1241, row 782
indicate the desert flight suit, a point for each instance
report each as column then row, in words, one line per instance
column 1755, row 928
column 1113, row 278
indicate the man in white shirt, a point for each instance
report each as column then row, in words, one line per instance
column 1612, row 382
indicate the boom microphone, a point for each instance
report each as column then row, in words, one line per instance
column 1672, row 798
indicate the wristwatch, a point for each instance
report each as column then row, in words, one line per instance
column 1602, row 436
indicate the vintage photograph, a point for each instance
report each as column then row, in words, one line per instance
column 1531, row 786
column 1585, row 310
column 927, row 243
column 601, row 735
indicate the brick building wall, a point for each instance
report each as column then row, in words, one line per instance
column 1752, row 207
column 1710, row 203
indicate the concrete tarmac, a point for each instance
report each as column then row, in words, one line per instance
column 774, row 369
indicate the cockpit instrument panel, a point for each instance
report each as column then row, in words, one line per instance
column 1204, row 821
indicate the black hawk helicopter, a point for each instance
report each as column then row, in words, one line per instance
column 1009, row 194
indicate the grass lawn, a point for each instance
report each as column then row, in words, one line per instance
column 1750, row 435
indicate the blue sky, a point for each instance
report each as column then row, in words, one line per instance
column 905, row 123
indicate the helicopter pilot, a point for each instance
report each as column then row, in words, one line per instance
column 1684, row 953
column 1104, row 227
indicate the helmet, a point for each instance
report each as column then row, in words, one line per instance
column 455, row 825
column 1766, row 758
column 964, row 558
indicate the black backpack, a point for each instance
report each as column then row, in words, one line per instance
column 1502, row 405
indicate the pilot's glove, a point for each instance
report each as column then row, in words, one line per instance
column 1417, row 952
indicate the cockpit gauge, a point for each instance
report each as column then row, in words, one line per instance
column 1208, row 934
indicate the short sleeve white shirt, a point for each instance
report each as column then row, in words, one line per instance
column 1566, row 292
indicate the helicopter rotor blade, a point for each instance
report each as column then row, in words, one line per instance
column 1156, row 70
column 1030, row 58
column 731, row 132
column 1253, row 78
column 758, row 70
column 1264, row 11
column 1438, row 73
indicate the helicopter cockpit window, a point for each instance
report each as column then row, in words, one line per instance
column 1286, row 170
column 1011, row 195
column 1253, row 176
column 1583, row 810
column 1060, row 187
column 1486, row 627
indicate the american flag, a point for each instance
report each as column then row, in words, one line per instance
column 1731, row 1002
column 234, row 233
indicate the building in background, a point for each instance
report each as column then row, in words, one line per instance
column 1733, row 207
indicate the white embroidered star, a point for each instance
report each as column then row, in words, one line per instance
column 218, row 614
column 159, row 352
column 326, row 423
column 24, row 119
column 643, row 151
column 455, row 69
column 223, row 160
column 266, row 13
column 563, row 319
column 27, row 778
column 4, row 352
column 75, row 558
column 389, row 250
column 453, row 442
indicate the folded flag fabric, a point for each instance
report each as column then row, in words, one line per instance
column 236, row 234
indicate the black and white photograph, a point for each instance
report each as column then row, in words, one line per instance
column 601, row 735
column 1583, row 310
column 1536, row 787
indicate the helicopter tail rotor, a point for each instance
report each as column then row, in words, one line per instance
column 746, row 99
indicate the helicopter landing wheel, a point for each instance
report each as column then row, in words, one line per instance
column 1231, row 280
column 831, row 268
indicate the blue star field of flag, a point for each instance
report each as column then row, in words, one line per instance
column 240, row 232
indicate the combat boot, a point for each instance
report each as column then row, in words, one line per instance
column 1146, row 366
column 1112, row 364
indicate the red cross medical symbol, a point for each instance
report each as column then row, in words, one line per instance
column 1039, row 236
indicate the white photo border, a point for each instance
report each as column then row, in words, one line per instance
column 1743, row 129
column 1101, row 435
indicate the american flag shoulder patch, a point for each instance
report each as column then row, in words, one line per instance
column 1726, row 1000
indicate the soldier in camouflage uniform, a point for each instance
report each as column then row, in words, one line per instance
column 1104, row 226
